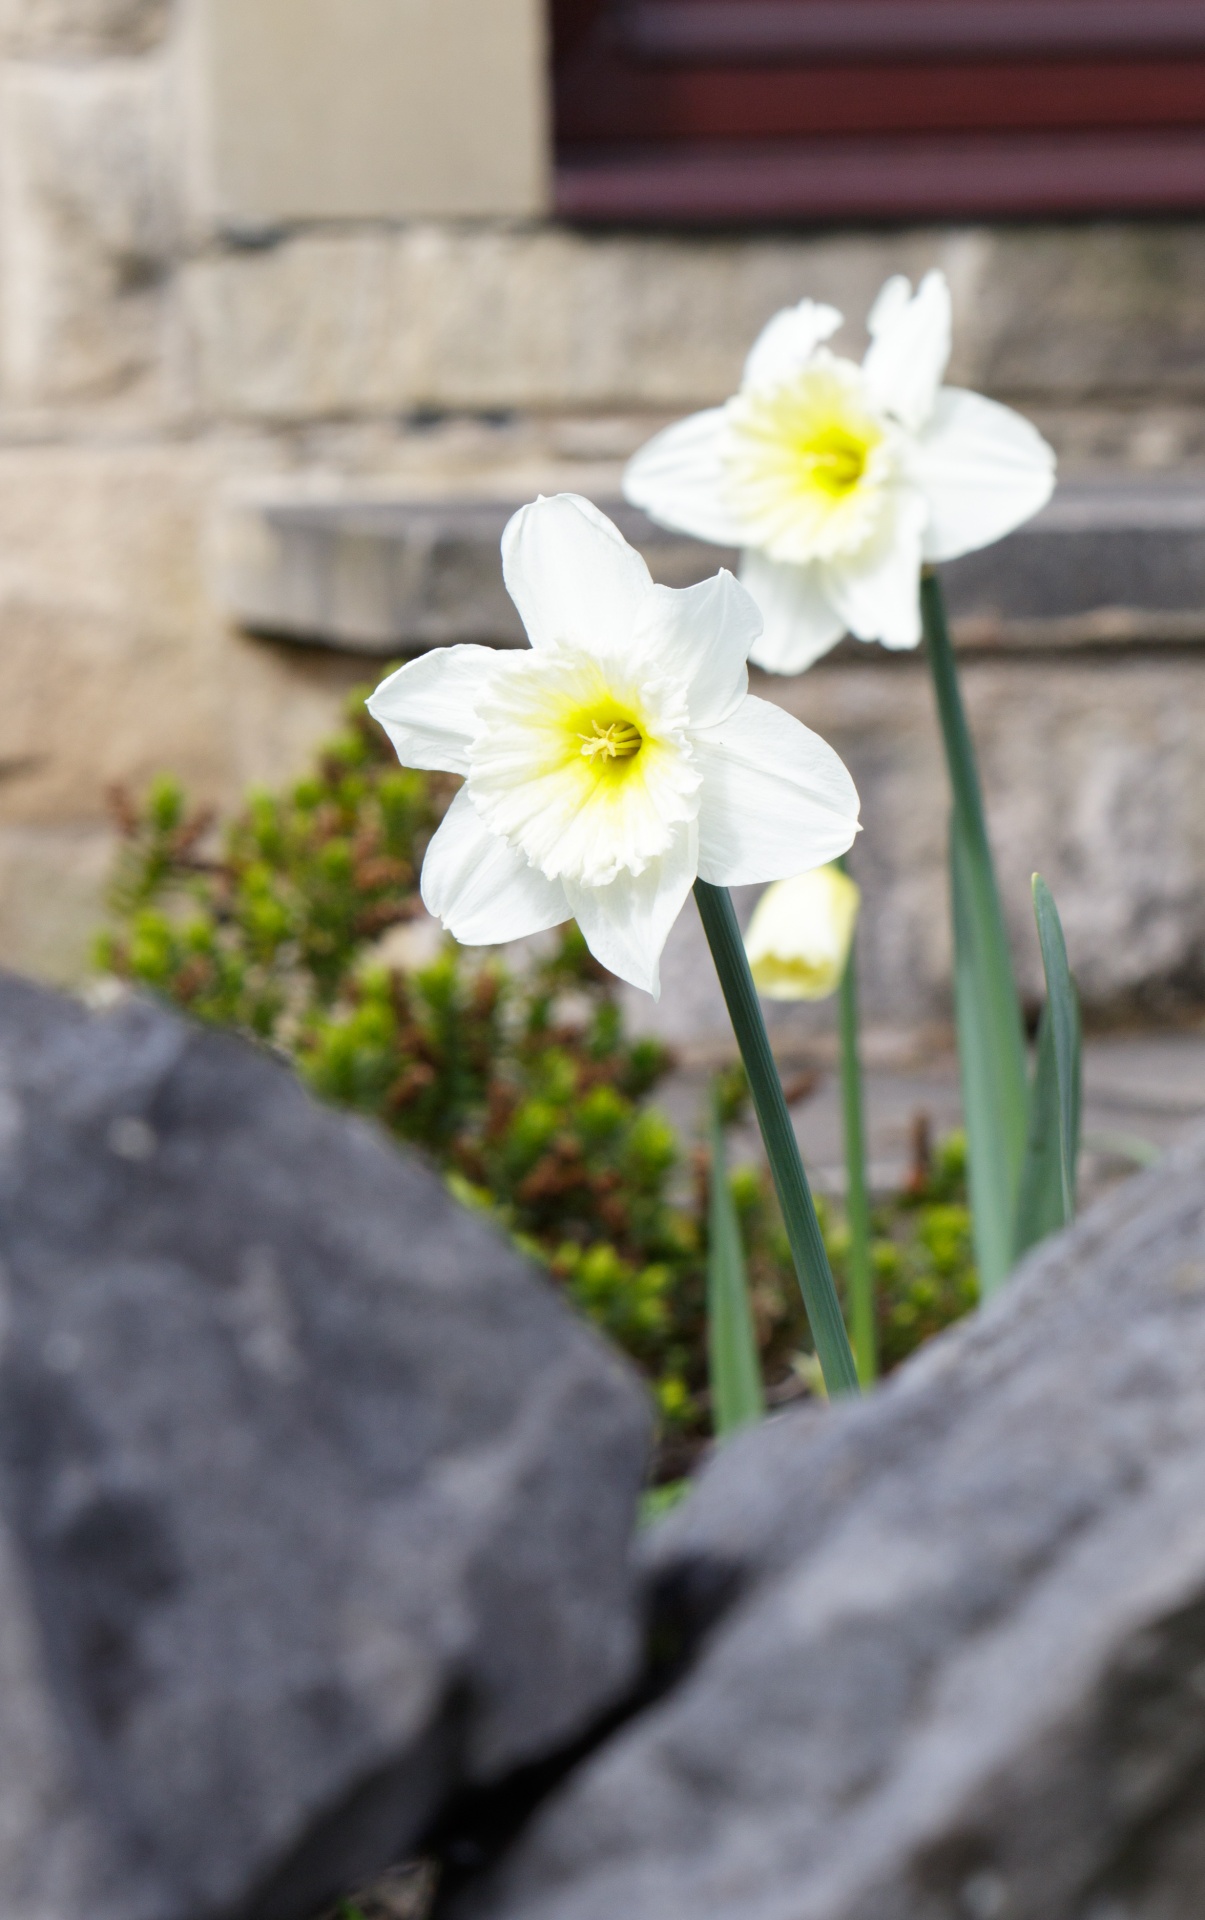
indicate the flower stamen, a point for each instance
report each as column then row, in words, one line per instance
column 619, row 740
column 834, row 461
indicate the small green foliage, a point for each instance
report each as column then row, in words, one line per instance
column 659, row 1501
column 923, row 1255
column 523, row 1087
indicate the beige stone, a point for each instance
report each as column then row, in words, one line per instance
column 53, row 884
column 1092, row 768
column 115, row 667
column 435, row 316
column 82, row 26
column 87, row 229
column 438, row 316
column 369, row 109
column 309, row 328
column 1076, row 312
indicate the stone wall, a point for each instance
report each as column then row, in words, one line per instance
column 165, row 338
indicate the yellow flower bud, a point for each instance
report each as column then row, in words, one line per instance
column 800, row 935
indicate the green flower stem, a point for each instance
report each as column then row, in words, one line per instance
column 794, row 1196
column 991, row 1034
column 857, row 1193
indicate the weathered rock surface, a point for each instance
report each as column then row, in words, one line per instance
column 82, row 27
column 955, row 1665
column 87, row 224
column 314, row 1504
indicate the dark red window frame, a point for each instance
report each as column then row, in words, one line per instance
column 717, row 111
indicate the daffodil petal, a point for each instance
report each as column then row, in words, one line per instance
column 701, row 635
column 427, row 706
column 878, row 593
column 800, row 622
column 776, row 798
column 572, row 575
column 626, row 924
column 678, row 479
column 909, row 348
column 983, row 469
column 787, row 342
column 481, row 888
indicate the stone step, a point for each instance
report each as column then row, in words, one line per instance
column 1112, row 561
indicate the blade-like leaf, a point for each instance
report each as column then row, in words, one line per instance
column 862, row 1310
column 736, row 1384
column 991, row 1033
column 1062, row 1004
column 991, row 1050
column 1041, row 1207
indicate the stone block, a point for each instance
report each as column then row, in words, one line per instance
column 370, row 109
column 1114, row 307
column 362, row 321
column 86, row 230
column 939, row 1654
column 116, row 665
column 82, row 27
column 373, row 574
column 1051, row 316
column 1108, row 561
column 53, row 882
column 315, row 1503
column 1089, row 767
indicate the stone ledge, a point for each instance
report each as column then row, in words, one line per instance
column 1113, row 563
column 371, row 574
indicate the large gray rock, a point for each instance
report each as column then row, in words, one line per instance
column 314, row 1504
column 949, row 1644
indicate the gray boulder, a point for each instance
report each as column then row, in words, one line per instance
column 315, row 1504
column 948, row 1645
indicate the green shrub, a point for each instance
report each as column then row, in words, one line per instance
column 522, row 1086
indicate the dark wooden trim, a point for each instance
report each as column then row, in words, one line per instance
column 769, row 110
column 572, row 22
column 742, row 31
column 697, row 104
column 870, row 179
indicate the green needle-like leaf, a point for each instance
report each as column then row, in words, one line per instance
column 737, row 1399
column 1062, row 1005
column 991, row 1034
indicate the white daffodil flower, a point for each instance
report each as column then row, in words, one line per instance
column 838, row 481
column 800, row 935
column 617, row 760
